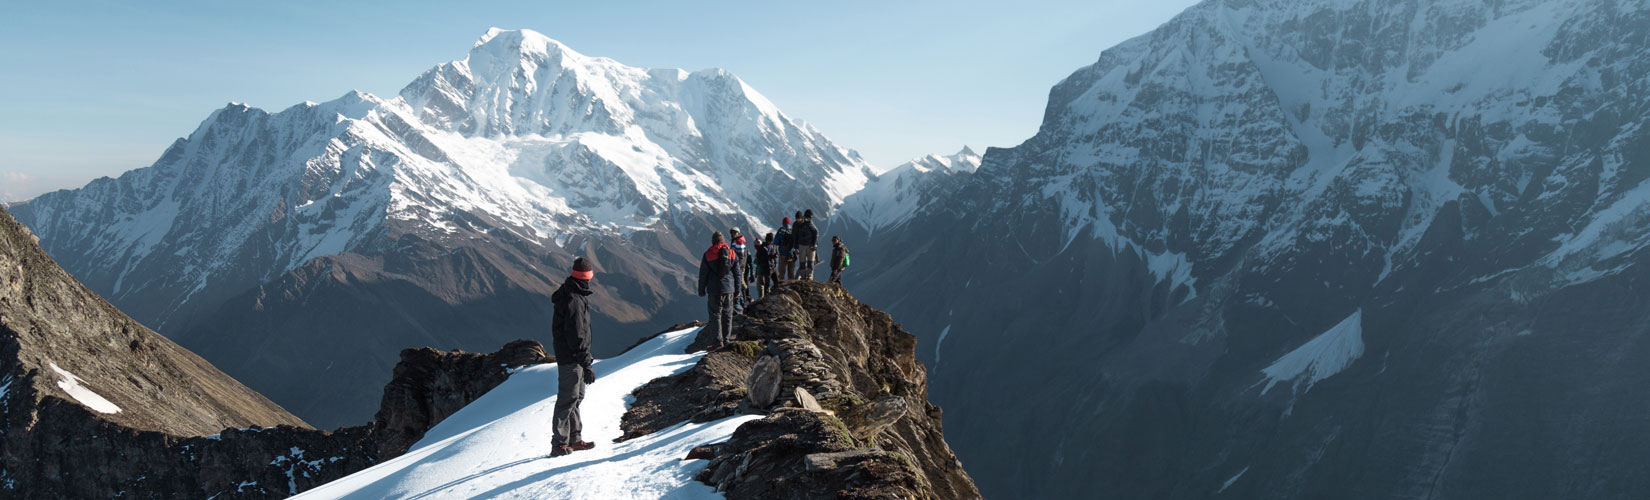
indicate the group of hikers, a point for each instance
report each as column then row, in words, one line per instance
column 726, row 271
column 730, row 266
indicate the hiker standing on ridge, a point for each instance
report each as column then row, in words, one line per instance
column 807, row 243
column 787, row 250
column 839, row 259
column 716, row 275
column 741, row 274
column 570, row 332
column 767, row 266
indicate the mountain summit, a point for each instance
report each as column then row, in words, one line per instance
column 336, row 233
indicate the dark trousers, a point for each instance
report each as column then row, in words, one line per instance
column 787, row 268
column 805, row 260
column 764, row 284
column 569, row 393
column 721, row 317
column 836, row 275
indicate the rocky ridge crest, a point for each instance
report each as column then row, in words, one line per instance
column 852, row 419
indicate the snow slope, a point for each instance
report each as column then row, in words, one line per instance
column 1323, row 356
column 497, row 447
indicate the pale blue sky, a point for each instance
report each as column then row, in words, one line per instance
column 99, row 88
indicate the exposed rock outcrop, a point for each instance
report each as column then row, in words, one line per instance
column 877, row 436
column 430, row 385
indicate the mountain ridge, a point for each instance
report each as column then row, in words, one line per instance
column 488, row 173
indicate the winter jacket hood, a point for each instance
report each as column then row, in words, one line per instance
column 806, row 233
column 718, row 271
column 570, row 326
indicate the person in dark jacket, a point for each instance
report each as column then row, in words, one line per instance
column 741, row 268
column 839, row 259
column 787, row 250
column 570, row 333
column 807, row 243
column 716, row 281
column 767, row 266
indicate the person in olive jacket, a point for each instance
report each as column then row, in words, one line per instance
column 839, row 259
column 717, row 272
column 570, row 332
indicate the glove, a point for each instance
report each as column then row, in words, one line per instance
column 589, row 374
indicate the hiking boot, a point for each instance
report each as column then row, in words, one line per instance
column 560, row 451
column 580, row 446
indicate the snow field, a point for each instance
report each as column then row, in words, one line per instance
column 498, row 446
column 71, row 384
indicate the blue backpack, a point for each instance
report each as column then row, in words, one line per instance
column 783, row 240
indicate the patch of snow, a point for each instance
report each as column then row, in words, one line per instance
column 71, row 385
column 1233, row 479
column 943, row 332
column 1322, row 357
column 1614, row 231
column 497, row 446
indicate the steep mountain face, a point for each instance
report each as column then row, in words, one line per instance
column 94, row 405
column 64, row 344
column 337, row 232
column 1334, row 248
column 81, row 383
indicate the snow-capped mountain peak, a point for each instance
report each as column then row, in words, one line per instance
column 523, row 136
column 965, row 161
column 897, row 195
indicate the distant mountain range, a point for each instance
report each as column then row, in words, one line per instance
column 305, row 247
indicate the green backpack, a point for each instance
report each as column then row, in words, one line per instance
column 845, row 259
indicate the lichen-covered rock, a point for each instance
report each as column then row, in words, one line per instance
column 807, row 401
column 804, row 455
column 763, row 382
column 867, row 420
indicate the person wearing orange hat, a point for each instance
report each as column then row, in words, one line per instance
column 570, row 333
